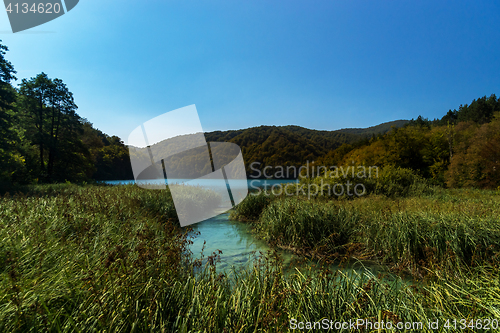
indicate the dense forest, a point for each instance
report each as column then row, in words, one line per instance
column 44, row 140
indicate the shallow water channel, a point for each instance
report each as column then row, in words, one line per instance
column 235, row 239
column 240, row 247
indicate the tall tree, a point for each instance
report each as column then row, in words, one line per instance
column 56, row 127
column 7, row 73
column 63, row 115
column 10, row 159
column 34, row 97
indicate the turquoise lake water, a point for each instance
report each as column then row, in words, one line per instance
column 252, row 184
column 235, row 239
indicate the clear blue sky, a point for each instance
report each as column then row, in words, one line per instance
column 321, row 64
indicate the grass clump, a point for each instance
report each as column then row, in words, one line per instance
column 307, row 225
column 432, row 240
column 87, row 259
column 252, row 206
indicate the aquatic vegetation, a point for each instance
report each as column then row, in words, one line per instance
column 252, row 206
column 411, row 232
column 104, row 258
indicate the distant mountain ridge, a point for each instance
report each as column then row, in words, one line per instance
column 270, row 145
column 293, row 145
column 377, row 129
column 348, row 134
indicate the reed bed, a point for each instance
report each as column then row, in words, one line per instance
column 307, row 224
column 95, row 258
column 414, row 232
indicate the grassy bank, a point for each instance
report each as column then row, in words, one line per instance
column 113, row 259
column 456, row 227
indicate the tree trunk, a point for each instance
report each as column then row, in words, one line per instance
column 40, row 133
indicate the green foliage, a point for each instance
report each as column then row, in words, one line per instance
column 53, row 126
column 398, row 182
column 104, row 258
column 110, row 157
column 350, row 181
column 480, row 110
column 11, row 160
column 252, row 206
column 477, row 156
column 457, row 154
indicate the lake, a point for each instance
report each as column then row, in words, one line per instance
column 252, row 184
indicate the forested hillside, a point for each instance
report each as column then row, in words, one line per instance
column 44, row 140
column 462, row 149
column 293, row 145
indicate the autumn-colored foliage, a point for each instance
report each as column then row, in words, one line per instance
column 464, row 152
column 476, row 162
